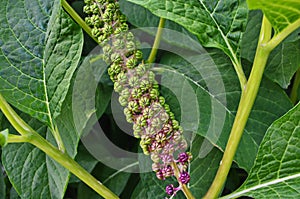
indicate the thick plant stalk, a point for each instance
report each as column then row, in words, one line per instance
column 27, row 134
column 247, row 100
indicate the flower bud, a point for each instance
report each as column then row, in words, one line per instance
column 184, row 177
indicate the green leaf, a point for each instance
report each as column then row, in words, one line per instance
column 32, row 173
column 3, row 137
column 283, row 61
column 280, row 13
column 276, row 172
column 215, row 107
column 2, row 185
column 40, row 50
column 250, row 37
column 114, row 180
column 216, row 24
column 86, row 160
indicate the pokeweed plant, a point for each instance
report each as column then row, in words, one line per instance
column 41, row 50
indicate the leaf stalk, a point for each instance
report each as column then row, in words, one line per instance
column 31, row 136
column 157, row 40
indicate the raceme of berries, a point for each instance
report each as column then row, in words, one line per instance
column 153, row 122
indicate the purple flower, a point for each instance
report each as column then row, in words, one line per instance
column 160, row 175
column 168, row 171
column 170, row 189
column 184, row 177
column 183, row 157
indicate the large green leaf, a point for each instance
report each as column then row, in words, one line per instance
column 283, row 63
column 114, row 180
column 276, row 172
column 284, row 59
column 217, row 24
column 32, row 173
column 34, row 166
column 40, row 47
column 2, row 185
column 280, row 13
column 217, row 109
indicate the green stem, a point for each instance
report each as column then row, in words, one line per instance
column 294, row 92
column 277, row 39
column 240, row 73
column 17, row 138
column 67, row 162
column 157, row 40
column 14, row 118
column 244, row 109
column 78, row 19
column 31, row 136
column 58, row 139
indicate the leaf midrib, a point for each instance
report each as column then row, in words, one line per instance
column 266, row 184
column 235, row 60
column 217, row 100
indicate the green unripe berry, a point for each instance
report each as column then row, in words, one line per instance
column 167, row 108
column 130, row 45
column 133, row 81
column 140, row 121
column 155, row 158
column 131, row 63
column 87, row 1
column 88, row 21
column 145, row 141
column 136, row 93
column 127, row 111
column 107, row 16
column 95, row 32
column 171, row 115
column 123, row 100
column 119, row 44
column 118, row 87
column 122, row 78
column 141, row 69
column 107, row 50
column 136, row 134
column 116, row 67
column 102, row 38
column 154, row 93
column 138, row 55
column 161, row 100
column 151, row 76
column 144, row 101
column 125, row 93
column 133, row 106
column 137, row 127
column 164, row 117
column 145, row 85
column 175, row 124
column 154, row 84
column 107, row 29
column 156, row 122
column 87, row 9
column 124, row 27
column 148, row 113
column 129, row 119
column 115, row 56
column 156, row 107
column 122, row 18
column 130, row 36
column 94, row 9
